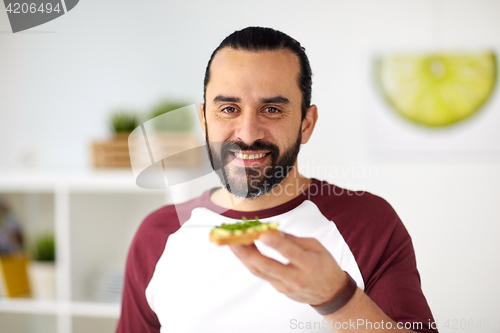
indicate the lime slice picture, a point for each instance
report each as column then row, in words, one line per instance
column 439, row 89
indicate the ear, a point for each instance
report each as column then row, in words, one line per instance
column 203, row 121
column 309, row 122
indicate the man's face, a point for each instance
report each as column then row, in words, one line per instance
column 253, row 118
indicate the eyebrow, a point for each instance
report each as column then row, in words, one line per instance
column 274, row 100
column 221, row 98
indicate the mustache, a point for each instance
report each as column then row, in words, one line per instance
column 256, row 145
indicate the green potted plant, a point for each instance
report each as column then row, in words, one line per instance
column 170, row 133
column 114, row 153
column 43, row 267
column 123, row 121
column 174, row 122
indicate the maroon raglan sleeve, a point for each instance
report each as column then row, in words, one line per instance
column 145, row 251
column 384, row 252
column 394, row 282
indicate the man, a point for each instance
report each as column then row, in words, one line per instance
column 343, row 260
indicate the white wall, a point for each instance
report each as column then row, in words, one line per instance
column 59, row 81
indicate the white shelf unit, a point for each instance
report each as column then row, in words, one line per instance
column 94, row 216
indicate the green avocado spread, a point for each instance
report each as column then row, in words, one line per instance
column 242, row 227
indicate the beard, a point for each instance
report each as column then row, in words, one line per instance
column 251, row 182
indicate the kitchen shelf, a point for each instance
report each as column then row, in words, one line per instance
column 94, row 216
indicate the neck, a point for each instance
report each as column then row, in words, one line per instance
column 292, row 186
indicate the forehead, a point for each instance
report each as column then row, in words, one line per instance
column 254, row 73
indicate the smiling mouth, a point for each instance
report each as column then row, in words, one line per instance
column 248, row 156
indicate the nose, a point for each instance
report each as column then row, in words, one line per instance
column 250, row 128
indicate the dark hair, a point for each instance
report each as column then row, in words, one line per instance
column 267, row 39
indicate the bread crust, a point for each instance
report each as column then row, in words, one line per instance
column 243, row 239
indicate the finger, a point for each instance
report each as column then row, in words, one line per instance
column 259, row 264
column 306, row 243
column 312, row 245
column 282, row 282
column 277, row 284
column 288, row 248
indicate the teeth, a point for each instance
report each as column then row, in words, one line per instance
column 249, row 157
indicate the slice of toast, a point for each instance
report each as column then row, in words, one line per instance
column 241, row 233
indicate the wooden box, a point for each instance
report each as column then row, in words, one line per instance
column 115, row 153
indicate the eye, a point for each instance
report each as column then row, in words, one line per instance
column 271, row 109
column 229, row 109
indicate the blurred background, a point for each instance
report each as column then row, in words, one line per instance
column 61, row 82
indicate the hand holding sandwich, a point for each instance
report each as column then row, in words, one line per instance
column 312, row 275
